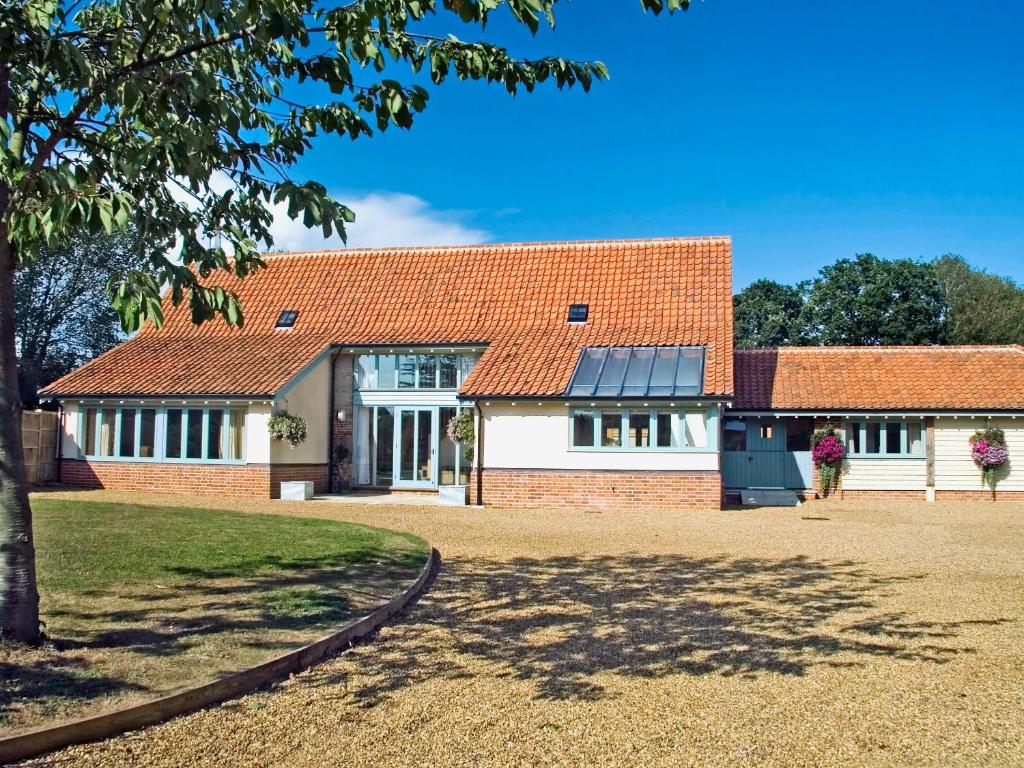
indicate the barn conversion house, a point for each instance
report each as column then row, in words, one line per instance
column 596, row 373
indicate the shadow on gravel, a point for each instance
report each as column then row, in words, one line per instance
column 563, row 621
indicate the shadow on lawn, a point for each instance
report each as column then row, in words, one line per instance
column 260, row 606
column 255, row 597
column 561, row 622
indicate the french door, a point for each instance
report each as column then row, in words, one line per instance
column 416, row 438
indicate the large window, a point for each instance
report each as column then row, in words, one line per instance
column 412, row 371
column 164, row 434
column 884, row 438
column 640, row 429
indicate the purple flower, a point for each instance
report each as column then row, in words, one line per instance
column 829, row 450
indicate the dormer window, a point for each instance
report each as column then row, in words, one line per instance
column 286, row 319
column 578, row 313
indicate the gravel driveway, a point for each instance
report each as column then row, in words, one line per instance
column 886, row 634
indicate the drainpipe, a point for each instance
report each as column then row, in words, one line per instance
column 331, row 416
column 60, row 440
column 479, row 453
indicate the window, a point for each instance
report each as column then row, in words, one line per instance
column 640, row 429
column 449, row 375
column 287, row 319
column 164, row 434
column 126, row 433
column 735, row 436
column 798, row 434
column 888, row 438
column 667, row 429
column 175, row 417
column 583, row 428
column 216, row 434
column 853, row 444
column 578, row 313
column 915, row 443
column 147, row 434
column 428, row 372
column 194, row 433
column 638, row 372
column 611, row 428
column 406, row 371
column 409, row 371
column 766, row 431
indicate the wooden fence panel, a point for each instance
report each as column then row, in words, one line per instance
column 39, row 439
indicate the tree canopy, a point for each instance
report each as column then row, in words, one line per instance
column 62, row 307
column 983, row 308
column 767, row 314
column 868, row 300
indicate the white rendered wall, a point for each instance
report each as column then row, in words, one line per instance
column 310, row 398
column 532, row 436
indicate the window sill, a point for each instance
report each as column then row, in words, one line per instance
column 135, row 460
column 877, row 456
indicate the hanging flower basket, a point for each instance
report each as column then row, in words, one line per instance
column 827, row 453
column 988, row 449
column 460, row 430
column 291, row 429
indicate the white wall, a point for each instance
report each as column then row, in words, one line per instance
column 257, row 436
column 884, row 474
column 955, row 470
column 69, row 437
column 309, row 398
column 532, row 436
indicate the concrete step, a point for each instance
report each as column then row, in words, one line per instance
column 769, row 497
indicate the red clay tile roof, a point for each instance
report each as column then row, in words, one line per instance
column 513, row 297
column 880, row 378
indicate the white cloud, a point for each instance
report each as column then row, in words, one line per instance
column 382, row 219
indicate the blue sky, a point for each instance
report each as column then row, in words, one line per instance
column 807, row 130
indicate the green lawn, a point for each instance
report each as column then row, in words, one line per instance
column 139, row 600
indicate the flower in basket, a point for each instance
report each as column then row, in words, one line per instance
column 827, row 452
column 988, row 449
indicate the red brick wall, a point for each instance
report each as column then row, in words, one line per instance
column 657, row 489
column 341, row 430
column 979, row 495
column 317, row 473
column 252, row 480
column 260, row 481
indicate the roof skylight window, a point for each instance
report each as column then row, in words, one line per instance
column 578, row 313
column 286, row 319
column 638, row 372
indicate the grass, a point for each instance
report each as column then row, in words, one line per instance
column 139, row 600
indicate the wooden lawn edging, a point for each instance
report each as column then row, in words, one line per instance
column 106, row 724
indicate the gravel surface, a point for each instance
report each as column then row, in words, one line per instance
column 888, row 634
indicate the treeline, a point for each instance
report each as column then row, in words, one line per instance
column 867, row 300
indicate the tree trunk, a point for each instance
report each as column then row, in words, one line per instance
column 19, row 599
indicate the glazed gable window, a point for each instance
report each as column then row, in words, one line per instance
column 163, row 434
column 446, row 371
column 644, row 429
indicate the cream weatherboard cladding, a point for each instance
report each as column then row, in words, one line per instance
column 884, row 474
column 954, row 468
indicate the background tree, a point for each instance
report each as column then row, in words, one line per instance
column 107, row 104
column 767, row 314
column 983, row 308
column 62, row 308
column 867, row 300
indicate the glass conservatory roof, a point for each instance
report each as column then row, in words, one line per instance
column 638, row 372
